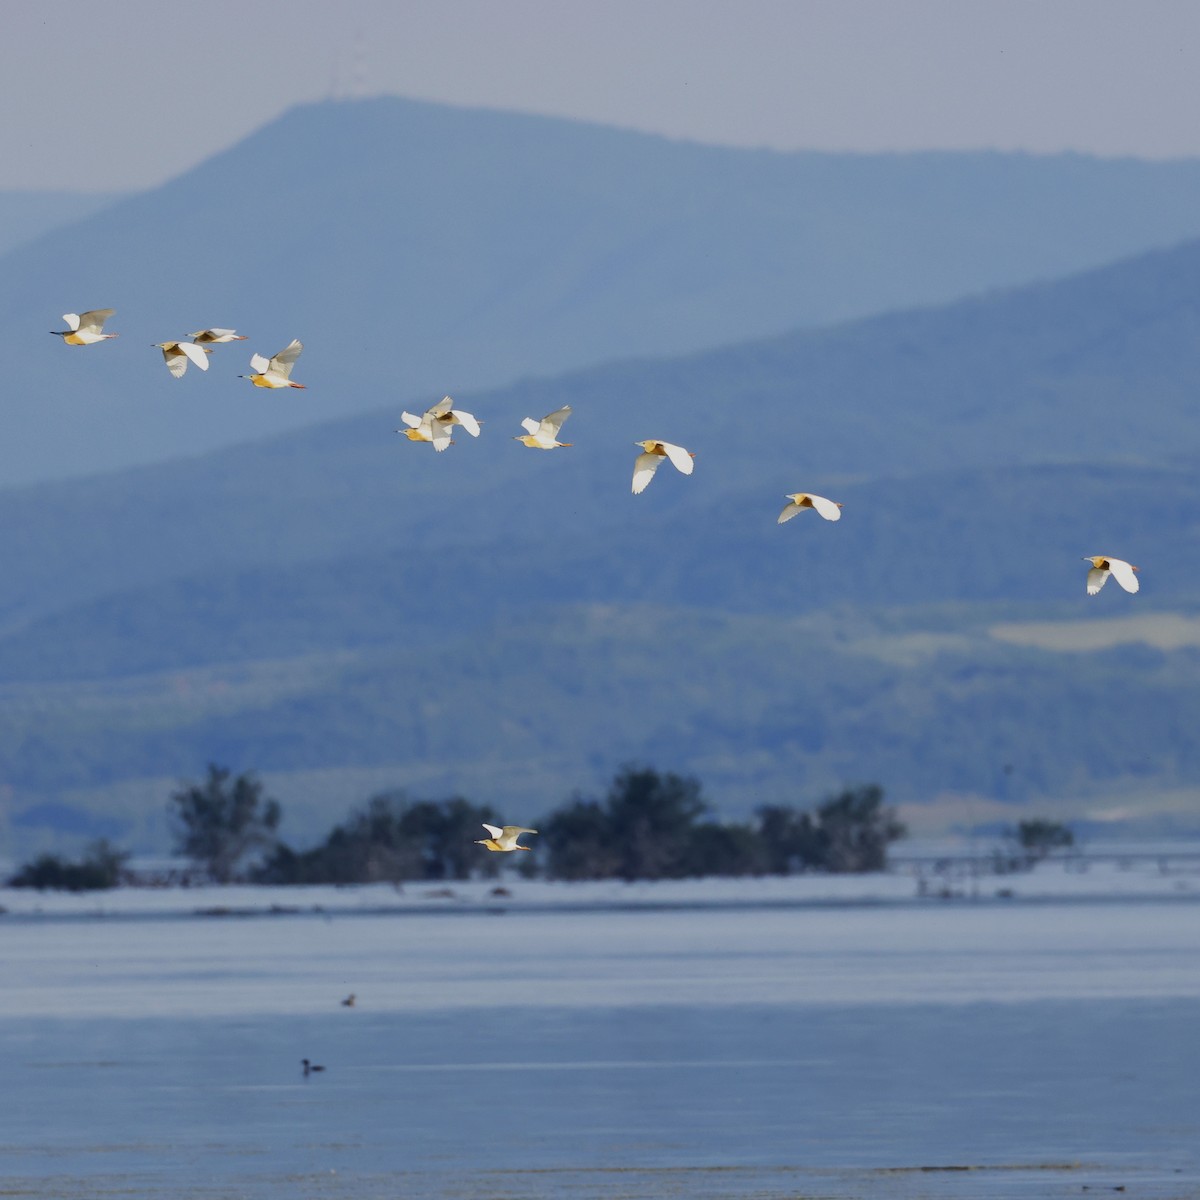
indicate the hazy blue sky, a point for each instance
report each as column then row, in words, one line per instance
column 128, row 93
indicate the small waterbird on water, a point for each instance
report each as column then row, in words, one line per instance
column 829, row 509
column 653, row 452
column 83, row 329
column 504, row 838
column 349, row 1001
column 310, row 1068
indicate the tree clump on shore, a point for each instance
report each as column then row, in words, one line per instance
column 101, row 867
column 648, row 825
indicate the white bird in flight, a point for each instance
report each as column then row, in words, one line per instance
column 543, row 434
column 653, row 452
column 275, row 372
column 177, row 355
column 799, row 501
column 504, row 838
column 1103, row 566
column 436, row 422
column 85, row 328
column 216, row 336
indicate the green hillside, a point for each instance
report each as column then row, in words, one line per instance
column 344, row 610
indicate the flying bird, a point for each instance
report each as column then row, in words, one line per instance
column 1103, row 566
column 177, row 355
column 799, row 501
column 216, row 336
column 504, row 838
column 543, row 434
column 653, row 452
column 436, row 422
column 85, row 328
column 275, row 372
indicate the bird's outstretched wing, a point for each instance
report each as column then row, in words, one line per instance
column 214, row 335
column 826, row 508
column 680, row 458
column 411, row 420
column 1097, row 577
column 552, row 422
column 494, row 831
column 643, row 471
column 467, row 421
column 175, row 359
column 258, row 364
column 1122, row 572
column 94, row 319
column 440, row 409
column 72, row 320
column 439, row 434
column 198, row 354
column 531, row 426
column 282, row 363
column 513, row 830
column 790, row 510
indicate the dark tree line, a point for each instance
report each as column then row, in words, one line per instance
column 390, row 840
column 102, row 866
column 648, row 825
column 656, row 826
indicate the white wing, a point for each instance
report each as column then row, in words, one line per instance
column 258, row 364
column 281, row 364
column 1122, row 572
column 213, row 335
column 789, row 512
column 826, row 508
column 552, row 422
column 413, row 422
column 493, row 831
column 680, row 458
column 643, row 471
column 439, row 434
column 94, row 320
column 467, row 421
column 513, row 830
column 1096, row 579
column 72, row 320
column 174, row 358
column 441, row 408
column 530, row 426
column 197, row 354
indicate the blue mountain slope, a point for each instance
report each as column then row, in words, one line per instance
column 337, row 604
column 418, row 249
column 25, row 215
column 1097, row 369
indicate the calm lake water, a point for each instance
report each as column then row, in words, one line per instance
column 822, row 1052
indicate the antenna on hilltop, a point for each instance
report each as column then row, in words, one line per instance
column 359, row 75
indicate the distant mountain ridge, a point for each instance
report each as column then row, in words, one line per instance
column 26, row 215
column 417, row 249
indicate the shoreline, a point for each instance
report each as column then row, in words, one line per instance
column 1061, row 881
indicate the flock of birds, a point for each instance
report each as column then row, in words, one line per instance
column 435, row 426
